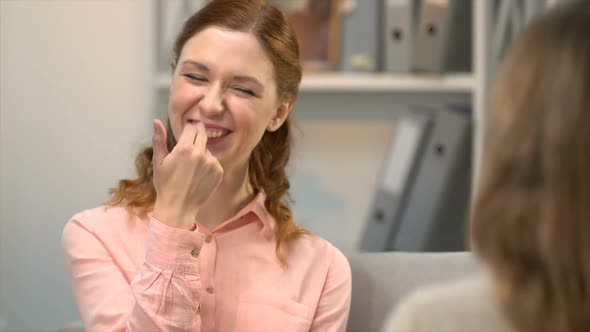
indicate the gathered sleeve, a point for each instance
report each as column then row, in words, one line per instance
column 164, row 295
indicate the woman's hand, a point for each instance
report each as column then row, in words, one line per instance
column 184, row 178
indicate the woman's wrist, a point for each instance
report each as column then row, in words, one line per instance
column 174, row 218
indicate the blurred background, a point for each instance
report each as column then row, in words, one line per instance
column 81, row 81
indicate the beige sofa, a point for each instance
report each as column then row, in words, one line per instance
column 380, row 280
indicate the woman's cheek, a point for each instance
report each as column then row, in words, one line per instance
column 183, row 100
column 186, row 94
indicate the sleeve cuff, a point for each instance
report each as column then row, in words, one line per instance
column 170, row 248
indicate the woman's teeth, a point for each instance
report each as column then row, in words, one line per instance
column 214, row 133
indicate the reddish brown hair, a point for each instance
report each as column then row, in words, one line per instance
column 531, row 218
column 269, row 159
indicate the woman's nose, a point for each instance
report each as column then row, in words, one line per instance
column 212, row 102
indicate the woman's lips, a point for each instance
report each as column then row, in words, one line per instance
column 215, row 133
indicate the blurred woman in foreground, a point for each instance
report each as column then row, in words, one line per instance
column 531, row 219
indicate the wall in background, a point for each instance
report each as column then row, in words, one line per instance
column 74, row 105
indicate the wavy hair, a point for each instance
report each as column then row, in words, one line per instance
column 268, row 161
column 531, row 217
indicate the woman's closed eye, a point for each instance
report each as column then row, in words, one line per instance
column 245, row 91
column 198, row 78
column 193, row 77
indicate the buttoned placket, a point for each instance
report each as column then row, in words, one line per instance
column 192, row 278
column 207, row 255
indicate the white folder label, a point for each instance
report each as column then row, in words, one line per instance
column 401, row 156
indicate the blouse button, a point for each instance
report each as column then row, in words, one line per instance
column 195, row 253
column 210, row 290
column 208, row 238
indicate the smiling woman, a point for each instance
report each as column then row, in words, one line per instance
column 203, row 239
column 220, row 70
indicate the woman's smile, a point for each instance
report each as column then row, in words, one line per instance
column 215, row 133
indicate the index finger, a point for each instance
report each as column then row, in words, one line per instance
column 201, row 139
column 188, row 134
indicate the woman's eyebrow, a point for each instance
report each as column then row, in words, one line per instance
column 245, row 79
column 195, row 64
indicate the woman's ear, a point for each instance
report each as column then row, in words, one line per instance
column 280, row 115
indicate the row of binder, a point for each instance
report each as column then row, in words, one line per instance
column 409, row 35
column 405, row 36
column 390, row 35
column 421, row 200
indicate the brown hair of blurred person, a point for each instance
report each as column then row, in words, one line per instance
column 531, row 218
column 267, row 165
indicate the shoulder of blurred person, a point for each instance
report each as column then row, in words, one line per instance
column 466, row 304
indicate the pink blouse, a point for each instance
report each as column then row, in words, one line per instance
column 132, row 274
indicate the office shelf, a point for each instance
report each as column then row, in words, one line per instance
column 375, row 82
column 383, row 82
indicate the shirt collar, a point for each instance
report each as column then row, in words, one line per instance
column 255, row 210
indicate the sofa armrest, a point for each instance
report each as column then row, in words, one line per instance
column 380, row 280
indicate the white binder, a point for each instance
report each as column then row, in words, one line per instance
column 403, row 158
column 443, row 37
column 421, row 202
column 398, row 34
column 435, row 215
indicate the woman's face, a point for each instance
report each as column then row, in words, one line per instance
column 224, row 79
